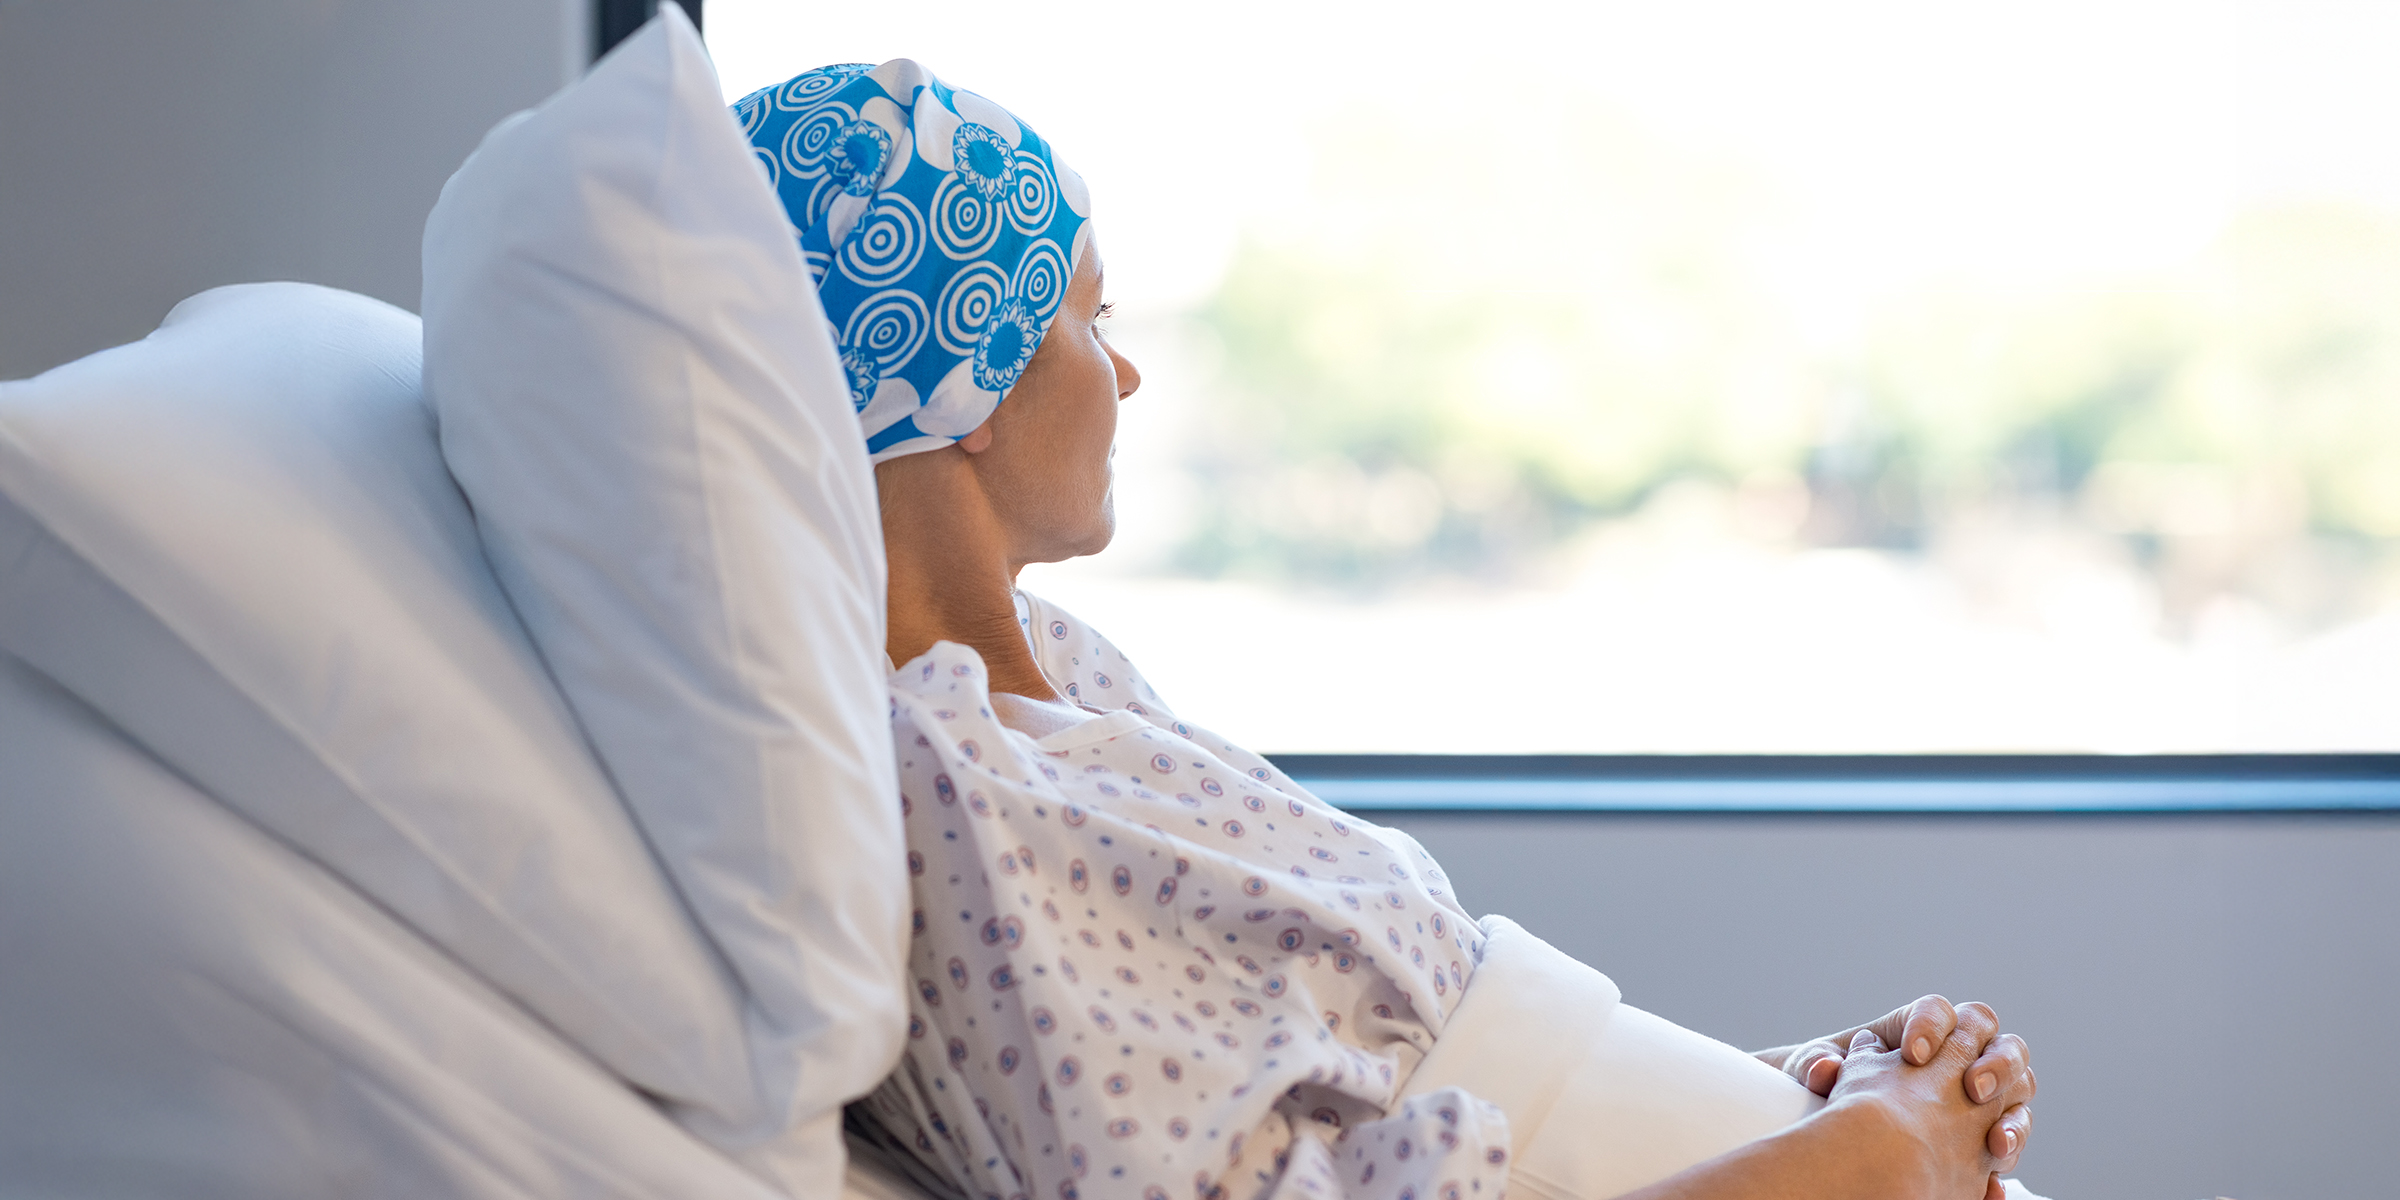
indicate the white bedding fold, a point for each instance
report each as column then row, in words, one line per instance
column 1601, row 1097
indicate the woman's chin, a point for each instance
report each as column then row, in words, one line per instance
column 1101, row 535
column 1102, row 529
column 1082, row 543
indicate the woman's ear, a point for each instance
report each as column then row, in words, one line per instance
column 979, row 440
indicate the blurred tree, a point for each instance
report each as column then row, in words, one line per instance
column 1453, row 373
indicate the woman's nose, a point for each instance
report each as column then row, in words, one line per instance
column 1129, row 377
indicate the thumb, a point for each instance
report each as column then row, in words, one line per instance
column 1816, row 1065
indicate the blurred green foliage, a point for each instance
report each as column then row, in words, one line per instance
column 1424, row 371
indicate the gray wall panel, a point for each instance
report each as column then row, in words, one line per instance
column 2206, row 996
column 150, row 149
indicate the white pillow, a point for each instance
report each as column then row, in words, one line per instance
column 638, row 391
column 236, row 539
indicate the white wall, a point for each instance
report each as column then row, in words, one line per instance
column 2208, row 997
column 153, row 148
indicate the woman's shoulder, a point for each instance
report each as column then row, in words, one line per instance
column 1093, row 672
column 1084, row 664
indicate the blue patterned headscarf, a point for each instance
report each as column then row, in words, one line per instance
column 942, row 233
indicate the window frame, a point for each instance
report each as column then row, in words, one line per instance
column 1850, row 783
column 615, row 20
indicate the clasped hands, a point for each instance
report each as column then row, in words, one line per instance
column 1971, row 1061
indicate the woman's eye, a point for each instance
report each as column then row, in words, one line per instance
column 1106, row 311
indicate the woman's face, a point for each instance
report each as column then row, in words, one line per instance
column 1044, row 455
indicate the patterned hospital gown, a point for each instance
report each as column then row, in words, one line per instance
column 1147, row 964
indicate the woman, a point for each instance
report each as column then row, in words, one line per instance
column 1145, row 962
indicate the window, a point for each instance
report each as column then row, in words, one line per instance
column 1858, row 376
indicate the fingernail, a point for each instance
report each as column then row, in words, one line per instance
column 1921, row 1050
column 2008, row 1137
column 1983, row 1088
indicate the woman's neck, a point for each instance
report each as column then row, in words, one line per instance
column 951, row 576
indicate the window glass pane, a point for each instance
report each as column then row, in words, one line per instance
column 1849, row 376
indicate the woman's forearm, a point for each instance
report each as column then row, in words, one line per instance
column 1851, row 1150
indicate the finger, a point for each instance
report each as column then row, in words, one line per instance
column 2006, row 1139
column 1977, row 1026
column 2001, row 1069
column 1816, row 1065
column 1917, row 1030
column 1865, row 1042
column 1804, row 1063
column 1929, row 1023
column 1993, row 1189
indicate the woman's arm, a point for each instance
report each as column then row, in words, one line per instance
column 1850, row 1151
column 1894, row 1131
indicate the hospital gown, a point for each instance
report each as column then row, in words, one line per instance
column 1146, row 963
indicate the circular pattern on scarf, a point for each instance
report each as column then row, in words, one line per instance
column 886, row 242
column 966, row 306
column 804, row 90
column 886, row 332
column 1041, row 282
column 822, row 192
column 1032, row 196
column 805, row 142
column 752, row 109
column 965, row 221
